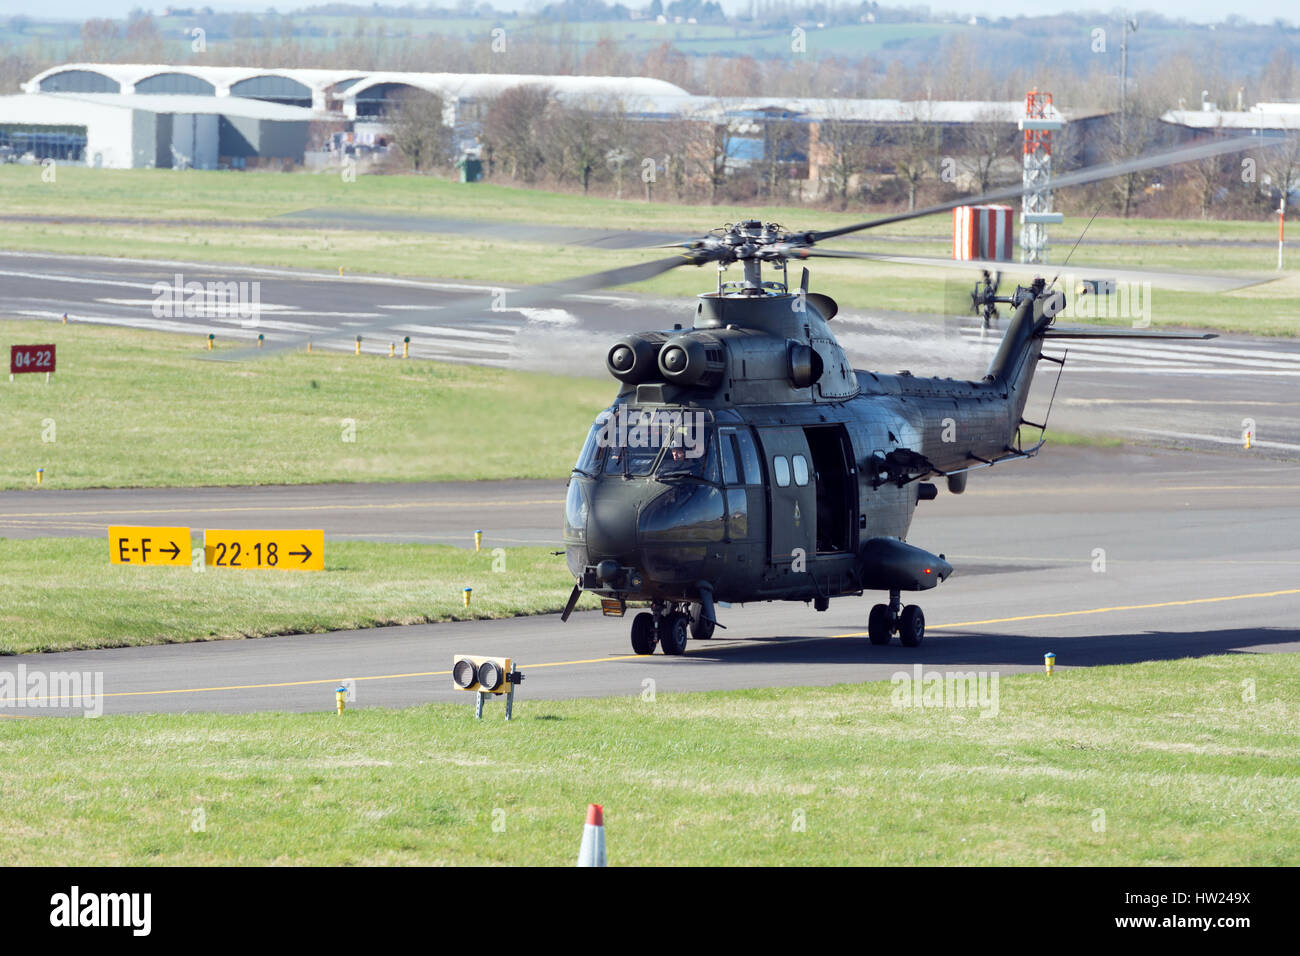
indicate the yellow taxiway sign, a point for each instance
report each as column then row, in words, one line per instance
column 295, row 550
column 131, row 544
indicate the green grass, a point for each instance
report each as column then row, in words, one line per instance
column 130, row 408
column 194, row 204
column 1147, row 764
column 62, row 593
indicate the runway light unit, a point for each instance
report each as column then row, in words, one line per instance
column 478, row 540
column 1049, row 662
column 487, row 677
column 341, row 698
column 467, row 592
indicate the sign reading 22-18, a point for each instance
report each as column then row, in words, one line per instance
column 31, row 358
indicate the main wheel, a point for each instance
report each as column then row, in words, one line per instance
column 674, row 631
column 701, row 629
column 643, row 633
column 880, row 625
column 911, row 626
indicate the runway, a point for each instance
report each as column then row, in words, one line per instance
column 1177, row 394
column 1101, row 557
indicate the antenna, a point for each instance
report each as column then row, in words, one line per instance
column 1076, row 245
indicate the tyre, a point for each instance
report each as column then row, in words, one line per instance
column 701, row 629
column 911, row 626
column 880, row 625
column 674, row 631
column 643, row 633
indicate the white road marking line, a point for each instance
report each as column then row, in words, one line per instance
column 1217, row 439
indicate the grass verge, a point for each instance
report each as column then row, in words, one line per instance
column 62, row 594
column 1150, row 764
column 135, row 409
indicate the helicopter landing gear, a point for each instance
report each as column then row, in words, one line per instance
column 880, row 625
column 643, row 633
column 674, row 631
column 911, row 626
column 701, row 628
column 666, row 624
column 886, row 619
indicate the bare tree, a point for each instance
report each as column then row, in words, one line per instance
column 845, row 148
column 418, row 131
column 987, row 141
column 1132, row 132
column 1282, row 166
column 512, row 129
column 576, row 141
column 917, row 145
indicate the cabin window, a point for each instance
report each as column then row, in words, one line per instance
column 729, row 473
column 781, row 469
column 688, row 512
column 738, row 513
column 800, row 470
column 749, row 457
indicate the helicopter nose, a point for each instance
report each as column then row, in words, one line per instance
column 611, row 527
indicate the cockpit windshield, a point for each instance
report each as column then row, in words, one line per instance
column 635, row 443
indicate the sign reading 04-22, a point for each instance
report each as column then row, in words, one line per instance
column 294, row 550
column 31, row 358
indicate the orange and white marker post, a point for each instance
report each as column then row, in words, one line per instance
column 592, row 851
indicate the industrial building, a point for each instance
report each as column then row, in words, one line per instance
column 175, row 131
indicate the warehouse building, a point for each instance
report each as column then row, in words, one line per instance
column 164, row 131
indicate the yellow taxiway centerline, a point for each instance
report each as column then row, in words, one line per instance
column 628, row 657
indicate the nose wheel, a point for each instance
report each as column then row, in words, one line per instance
column 643, row 633
column 886, row 620
column 667, row 625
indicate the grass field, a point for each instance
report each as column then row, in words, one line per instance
column 62, row 594
column 215, row 216
column 1151, row 764
column 131, row 408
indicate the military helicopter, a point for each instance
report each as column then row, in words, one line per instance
column 745, row 459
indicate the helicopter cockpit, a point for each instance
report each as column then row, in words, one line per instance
column 661, row 443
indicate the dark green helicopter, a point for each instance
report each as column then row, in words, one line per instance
column 745, row 459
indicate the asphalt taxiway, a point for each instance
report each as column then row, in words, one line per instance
column 1099, row 556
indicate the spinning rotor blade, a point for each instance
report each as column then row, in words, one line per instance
column 489, row 300
column 1092, row 174
column 1183, row 281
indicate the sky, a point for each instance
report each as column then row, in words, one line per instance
column 1204, row 11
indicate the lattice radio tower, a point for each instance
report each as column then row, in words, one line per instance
column 1039, row 122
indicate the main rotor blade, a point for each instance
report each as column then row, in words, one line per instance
column 1178, row 281
column 1092, row 174
column 489, row 300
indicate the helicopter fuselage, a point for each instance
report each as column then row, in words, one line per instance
column 747, row 481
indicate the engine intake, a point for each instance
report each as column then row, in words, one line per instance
column 635, row 358
column 693, row 360
column 805, row 365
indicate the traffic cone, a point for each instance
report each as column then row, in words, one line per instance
column 592, row 851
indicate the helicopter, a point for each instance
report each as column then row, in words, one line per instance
column 745, row 459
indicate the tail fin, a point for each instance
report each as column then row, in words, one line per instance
column 1012, row 368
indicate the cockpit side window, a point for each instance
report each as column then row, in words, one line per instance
column 701, row 460
column 589, row 459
